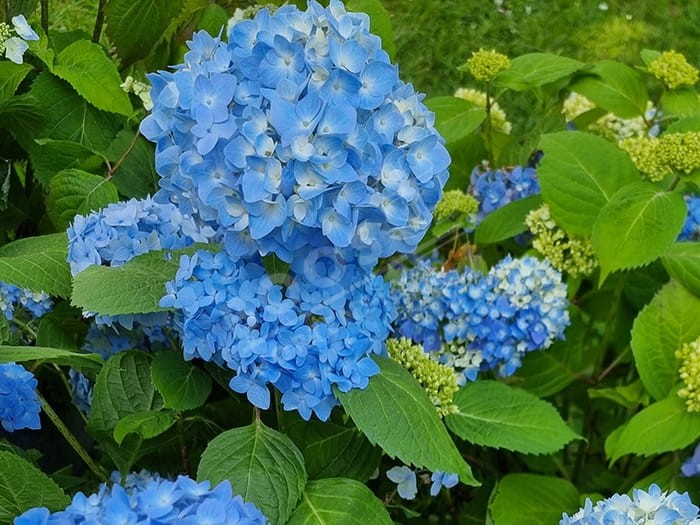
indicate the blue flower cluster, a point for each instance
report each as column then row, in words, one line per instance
column 691, row 228
column 121, row 231
column 406, row 481
column 19, row 402
column 317, row 333
column 146, row 498
column 11, row 296
column 691, row 467
column 496, row 188
column 474, row 322
column 643, row 507
column 297, row 132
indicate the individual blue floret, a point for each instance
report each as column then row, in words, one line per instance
column 405, row 479
column 19, row 401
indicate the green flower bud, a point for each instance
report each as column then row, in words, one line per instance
column 484, row 65
column 673, row 70
column 644, row 152
column 4, row 35
column 689, row 372
column 455, row 202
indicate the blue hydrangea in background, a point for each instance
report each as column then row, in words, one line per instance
column 146, row 498
column 37, row 304
column 494, row 188
column 297, row 131
column 653, row 506
column 691, row 467
column 691, row 227
column 19, row 402
column 479, row 322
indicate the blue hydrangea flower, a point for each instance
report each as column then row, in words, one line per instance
column 36, row 303
column 297, row 131
column 405, row 479
column 653, row 506
column 19, row 402
column 494, row 188
column 691, row 228
column 691, row 466
column 147, row 498
column 473, row 322
column 442, row 479
column 317, row 333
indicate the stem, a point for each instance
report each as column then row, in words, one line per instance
column 25, row 328
column 131, row 146
column 183, row 445
column 99, row 20
column 612, row 365
column 45, row 16
column 488, row 126
column 72, row 440
column 674, row 182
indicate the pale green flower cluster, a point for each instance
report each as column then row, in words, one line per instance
column 455, row 202
column 499, row 120
column 609, row 126
column 439, row 381
column 673, row 70
column 689, row 355
column 484, row 65
column 573, row 255
column 5, row 34
column 140, row 89
column 657, row 157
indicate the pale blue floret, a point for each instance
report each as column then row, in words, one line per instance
column 405, row 479
column 442, row 479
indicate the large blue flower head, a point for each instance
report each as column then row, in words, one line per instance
column 652, row 506
column 148, row 498
column 494, row 188
column 317, row 333
column 297, row 131
column 19, row 402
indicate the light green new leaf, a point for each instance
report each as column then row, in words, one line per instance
column 77, row 360
column 394, row 412
column 682, row 262
column 661, row 427
column 579, row 174
column 496, row 415
column 263, row 465
column 23, row 486
column 614, row 87
column 666, row 323
column 147, row 424
column 531, row 499
column 74, row 192
column 183, row 385
column 86, row 67
column 455, row 118
column 339, row 501
column 636, row 226
column 507, row 221
column 536, row 69
column 135, row 287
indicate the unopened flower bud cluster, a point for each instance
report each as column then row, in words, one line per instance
column 689, row 355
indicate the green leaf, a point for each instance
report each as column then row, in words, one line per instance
column 54, row 156
column 536, row 69
column 263, row 465
column 38, row 263
column 507, row 221
column 455, row 118
column 213, row 19
column 379, row 22
column 661, row 427
column 394, row 412
column 669, row 321
column 496, row 415
column 74, row 192
column 542, row 499
column 276, row 268
column 579, row 174
column 23, row 486
column 682, row 102
column 183, row 385
column 86, row 67
column 133, row 157
column 614, row 87
column 148, row 424
column 636, row 226
column 682, row 262
column 78, row 360
column 123, row 387
column 135, row 287
column 338, row 501
column 63, row 327
column 11, row 75
column 135, row 26
column 629, row 396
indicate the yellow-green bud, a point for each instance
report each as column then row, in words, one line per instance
column 499, row 120
column 573, row 255
column 455, row 202
column 689, row 371
column 484, row 65
column 673, row 70
column 4, row 35
column 680, row 151
column 644, row 152
column 439, row 381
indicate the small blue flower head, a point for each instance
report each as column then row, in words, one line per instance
column 652, row 506
column 691, row 228
column 691, row 467
column 149, row 498
column 494, row 188
column 442, row 479
column 19, row 402
column 405, row 478
column 37, row 304
column 297, row 131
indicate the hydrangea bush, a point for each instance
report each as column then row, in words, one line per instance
column 251, row 272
